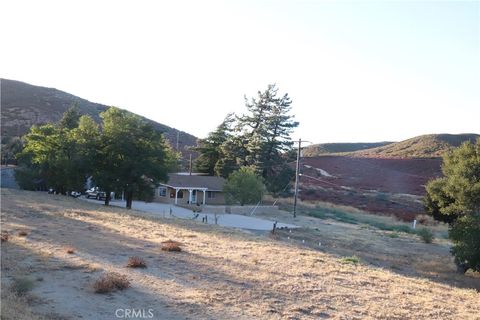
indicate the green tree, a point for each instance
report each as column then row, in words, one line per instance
column 55, row 155
column 70, row 118
column 11, row 146
column 132, row 156
column 244, row 186
column 267, row 129
column 209, row 149
column 455, row 198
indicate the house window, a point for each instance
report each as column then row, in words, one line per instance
column 179, row 194
column 210, row 194
column 162, row 191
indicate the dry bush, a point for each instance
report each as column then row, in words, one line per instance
column 171, row 245
column 4, row 237
column 109, row 282
column 70, row 250
column 22, row 233
column 136, row 262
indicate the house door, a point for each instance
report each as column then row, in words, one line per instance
column 194, row 196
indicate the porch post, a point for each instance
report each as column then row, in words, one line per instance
column 190, row 196
column 176, row 196
column 204, row 191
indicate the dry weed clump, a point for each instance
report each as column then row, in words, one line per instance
column 171, row 245
column 22, row 233
column 70, row 250
column 4, row 237
column 110, row 282
column 136, row 262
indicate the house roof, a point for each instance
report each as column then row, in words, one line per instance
column 194, row 181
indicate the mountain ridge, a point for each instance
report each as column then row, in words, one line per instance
column 423, row 146
column 24, row 105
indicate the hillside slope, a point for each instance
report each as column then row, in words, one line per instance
column 425, row 146
column 335, row 148
column 221, row 273
column 24, row 105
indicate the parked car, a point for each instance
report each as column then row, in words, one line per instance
column 75, row 194
column 96, row 194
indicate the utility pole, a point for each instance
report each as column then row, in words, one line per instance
column 297, row 172
column 190, row 170
column 178, row 136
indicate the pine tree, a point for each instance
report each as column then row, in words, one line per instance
column 209, row 148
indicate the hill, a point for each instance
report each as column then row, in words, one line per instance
column 357, row 272
column 24, row 105
column 335, row 148
column 425, row 146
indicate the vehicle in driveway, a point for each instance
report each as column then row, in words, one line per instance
column 75, row 194
column 95, row 193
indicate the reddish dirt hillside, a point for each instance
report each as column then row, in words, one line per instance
column 372, row 184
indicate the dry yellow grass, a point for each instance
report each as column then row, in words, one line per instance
column 220, row 273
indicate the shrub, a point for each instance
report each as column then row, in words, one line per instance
column 465, row 235
column 426, row 235
column 136, row 262
column 4, row 237
column 171, row 246
column 455, row 198
column 22, row 233
column 110, row 282
column 22, row 285
column 244, row 186
column 350, row 260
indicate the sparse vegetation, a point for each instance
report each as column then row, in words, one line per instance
column 4, row 237
column 351, row 260
column 21, row 285
column 220, row 265
column 110, row 282
column 136, row 262
column 22, row 233
column 382, row 223
column 426, row 235
column 70, row 250
column 171, row 246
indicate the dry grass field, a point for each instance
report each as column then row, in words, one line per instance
column 219, row 273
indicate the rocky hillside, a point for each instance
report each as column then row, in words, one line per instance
column 24, row 105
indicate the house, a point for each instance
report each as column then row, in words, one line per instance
column 191, row 189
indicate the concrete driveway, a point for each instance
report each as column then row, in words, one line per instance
column 226, row 220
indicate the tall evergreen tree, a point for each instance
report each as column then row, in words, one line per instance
column 267, row 128
column 209, row 148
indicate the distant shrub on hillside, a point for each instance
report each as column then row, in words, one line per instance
column 426, row 235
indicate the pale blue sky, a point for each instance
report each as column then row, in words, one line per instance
column 356, row 71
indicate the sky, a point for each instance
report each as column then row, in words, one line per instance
column 356, row 71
